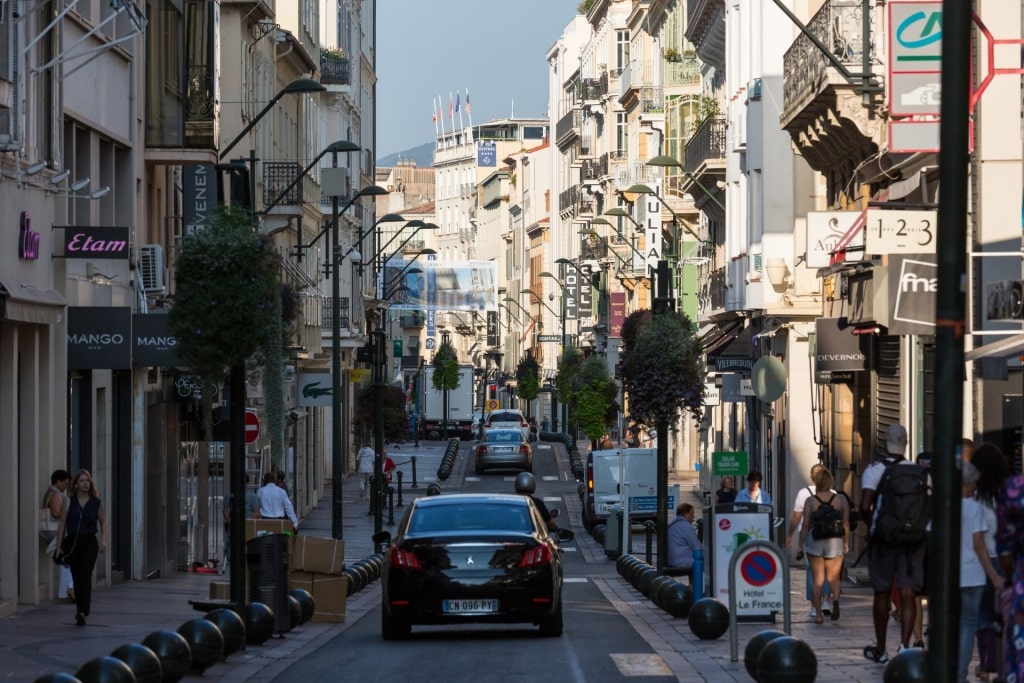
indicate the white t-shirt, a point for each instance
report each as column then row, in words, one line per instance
column 989, row 514
column 972, row 521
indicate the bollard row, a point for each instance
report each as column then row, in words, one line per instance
column 364, row 572
column 575, row 460
column 168, row 656
column 444, row 470
column 664, row 591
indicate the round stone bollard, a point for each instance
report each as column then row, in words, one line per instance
column 174, row 653
column 57, row 678
column 644, row 580
column 658, row 587
column 350, row 576
column 306, row 603
column 105, row 670
column 909, row 666
column 754, row 647
column 206, row 642
column 231, row 627
column 620, row 564
column 677, row 600
column 259, row 623
column 787, row 660
column 143, row 662
column 600, row 533
column 708, row 619
column 294, row 612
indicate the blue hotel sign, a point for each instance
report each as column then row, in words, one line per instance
column 486, row 154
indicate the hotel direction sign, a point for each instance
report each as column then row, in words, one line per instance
column 95, row 242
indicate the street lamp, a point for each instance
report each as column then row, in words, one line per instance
column 511, row 313
column 565, row 344
column 619, row 212
column 299, row 86
column 236, row 381
column 339, row 447
column 640, row 188
column 540, row 299
column 529, row 315
column 601, row 221
column 665, row 161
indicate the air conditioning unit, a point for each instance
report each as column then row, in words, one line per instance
column 153, row 267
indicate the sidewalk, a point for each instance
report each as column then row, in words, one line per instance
column 45, row 640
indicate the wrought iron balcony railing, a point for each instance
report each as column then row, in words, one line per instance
column 334, row 70
column 706, row 144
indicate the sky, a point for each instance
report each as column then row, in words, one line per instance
column 493, row 48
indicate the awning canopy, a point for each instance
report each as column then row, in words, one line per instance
column 30, row 305
column 715, row 336
column 1004, row 348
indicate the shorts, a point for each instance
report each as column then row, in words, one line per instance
column 906, row 565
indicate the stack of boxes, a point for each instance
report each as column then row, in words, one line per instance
column 314, row 564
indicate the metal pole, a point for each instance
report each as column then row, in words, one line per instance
column 337, row 463
column 236, row 415
column 662, row 304
column 379, row 359
column 951, row 250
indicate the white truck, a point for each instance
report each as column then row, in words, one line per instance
column 460, row 406
column 606, row 469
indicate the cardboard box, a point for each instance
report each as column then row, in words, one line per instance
column 318, row 555
column 330, row 593
column 220, row 590
column 300, row 579
column 260, row 527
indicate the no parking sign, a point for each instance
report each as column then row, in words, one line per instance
column 758, row 587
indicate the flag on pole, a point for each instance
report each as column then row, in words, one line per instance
column 451, row 106
column 468, row 112
column 457, row 100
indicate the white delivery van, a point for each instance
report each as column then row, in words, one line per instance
column 606, row 469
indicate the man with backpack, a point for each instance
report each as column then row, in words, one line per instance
column 895, row 497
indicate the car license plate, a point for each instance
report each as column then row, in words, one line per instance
column 470, row 606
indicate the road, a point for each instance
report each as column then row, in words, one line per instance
column 593, row 624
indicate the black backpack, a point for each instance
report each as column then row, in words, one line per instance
column 826, row 520
column 904, row 510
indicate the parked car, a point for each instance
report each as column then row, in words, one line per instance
column 509, row 418
column 463, row 558
column 503, row 448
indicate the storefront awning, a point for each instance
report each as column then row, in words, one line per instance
column 30, row 305
column 734, row 352
column 1004, row 348
column 715, row 336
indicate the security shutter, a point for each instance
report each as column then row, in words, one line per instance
column 10, row 136
column 888, row 390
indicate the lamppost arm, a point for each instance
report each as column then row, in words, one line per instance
column 299, row 85
column 516, row 302
column 333, row 148
column 541, row 300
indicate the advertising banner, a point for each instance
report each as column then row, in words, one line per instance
column 913, row 286
column 837, row 352
column 617, row 313
column 443, row 285
column 99, row 338
column 152, row 345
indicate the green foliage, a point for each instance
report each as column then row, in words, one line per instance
column 568, row 366
column 592, row 405
column 363, row 413
column 528, row 378
column 584, row 6
column 226, row 305
column 446, row 368
column 661, row 369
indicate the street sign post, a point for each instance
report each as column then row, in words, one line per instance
column 758, row 586
column 252, row 427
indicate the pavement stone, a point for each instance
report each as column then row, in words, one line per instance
column 44, row 639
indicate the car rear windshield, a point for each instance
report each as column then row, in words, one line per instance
column 504, row 436
column 505, row 417
column 483, row 517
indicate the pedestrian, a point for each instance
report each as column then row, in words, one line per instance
column 545, row 424
column 753, row 493
column 682, row 538
column 388, row 468
column 993, row 469
column 50, row 513
column 895, row 555
column 1010, row 546
column 364, row 462
column 82, row 518
column 727, row 491
column 825, row 538
column 795, row 523
column 975, row 566
column 274, row 502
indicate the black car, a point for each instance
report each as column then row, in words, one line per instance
column 467, row 558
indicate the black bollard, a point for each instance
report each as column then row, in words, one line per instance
column 391, row 505
column 373, row 490
column 399, row 489
column 413, row 459
column 649, row 526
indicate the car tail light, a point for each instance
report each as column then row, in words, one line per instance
column 523, row 424
column 481, row 449
column 536, row 556
column 590, row 477
column 404, row 558
column 524, row 448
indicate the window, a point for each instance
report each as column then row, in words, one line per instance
column 621, row 49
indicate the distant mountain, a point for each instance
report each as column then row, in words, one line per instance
column 424, row 156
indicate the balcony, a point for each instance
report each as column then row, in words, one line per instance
column 594, row 169
column 686, row 71
column 715, row 289
column 639, row 74
column 705, row 29
column 567, row 129
column 593, row 89
column 326, row 319
column 821, row 110
column 412, row 319
column 593, row 249
column 652, row 100
column 413, row 246
column 334, row 69
column 567, row 199
column 704, row 156
column 277, row 175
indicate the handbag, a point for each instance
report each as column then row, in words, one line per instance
column 47, row 524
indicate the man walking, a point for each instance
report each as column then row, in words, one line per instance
column 364, row 461
column 274, row 502
column 894, row 496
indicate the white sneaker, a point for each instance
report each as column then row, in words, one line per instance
column 814, row 613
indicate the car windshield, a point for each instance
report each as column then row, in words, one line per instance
column 504, row 436
column 505, row 417
column 484, row 517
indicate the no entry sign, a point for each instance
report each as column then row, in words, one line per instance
column 252, row 427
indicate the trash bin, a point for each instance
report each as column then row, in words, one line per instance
column 613, row 534
column 267, row 559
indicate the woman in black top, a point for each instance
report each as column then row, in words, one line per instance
column 726, row 494
column 83, row 517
